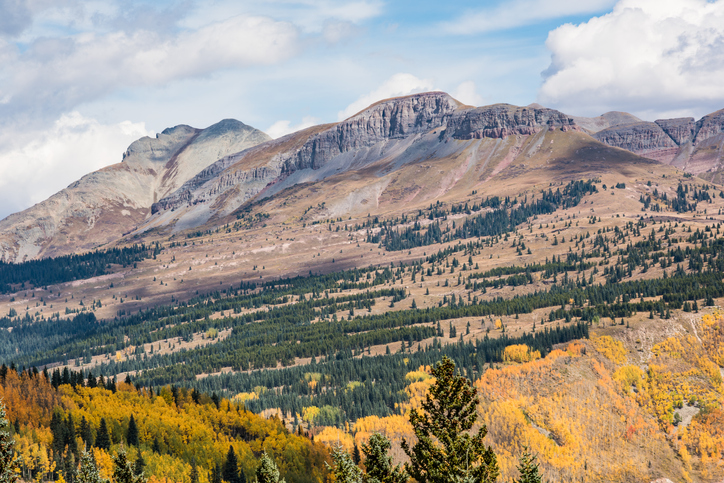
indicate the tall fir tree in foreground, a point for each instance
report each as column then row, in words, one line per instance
column 9, row 463
column 343, row 468
column 87, row 471
column 267, row 472
column 378, row 463
column 528, row 468
column 445, row 452
column 123, row 470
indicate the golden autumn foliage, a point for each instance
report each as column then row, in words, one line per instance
column 334, row 436
column 519, row 353
column 592, row 417
column 611, row 348
column 181, row 428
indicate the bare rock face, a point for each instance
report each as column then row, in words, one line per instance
column 503, row 120
column 681, row 130
column 104, row 205
column 643, row 138
column 696, row 147
column 710, row 126
column 392, row 119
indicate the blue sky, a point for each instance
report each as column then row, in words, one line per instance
column 80, row 80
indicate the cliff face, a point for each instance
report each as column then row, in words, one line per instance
column 386, row 130
column 710, row 126
column 393, row 119
column 503, row 120
column 681, row 130
column 103, row 205
column 696, row 147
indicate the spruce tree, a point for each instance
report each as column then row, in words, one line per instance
column 356, row 456
column 140, row 466
column 267, row 472
column 378, row 463
column 344, row 469
column 9, row 463
column 85, row 432
column 103, row 439
column 132, row 433
column 528, row 468
column 123, row 471
column 444, row 450
column 87, row 471
column 194, row 475
column 230, row 471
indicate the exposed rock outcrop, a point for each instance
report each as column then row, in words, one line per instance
column 391, row 119
column 644, row 138
column 681, row 130
column 503, row 120
column 696, row 147
column 710, row 125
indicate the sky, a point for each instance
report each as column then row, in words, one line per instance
column 81, row 80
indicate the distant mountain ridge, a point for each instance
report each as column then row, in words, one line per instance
column 188, row 178
column 694, row 146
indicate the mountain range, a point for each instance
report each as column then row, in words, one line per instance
column 190, row 179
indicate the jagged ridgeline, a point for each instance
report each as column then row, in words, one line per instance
column 504, row 217
column 50, row 271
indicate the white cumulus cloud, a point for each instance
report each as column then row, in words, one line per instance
column 467, row 94
column 398, row 85
column 73, row 147
column 650, row 57
column 284, row 127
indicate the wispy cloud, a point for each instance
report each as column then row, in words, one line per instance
column 519, row 13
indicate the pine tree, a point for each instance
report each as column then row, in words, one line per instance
column 103, row 439
column 378, row 463
column 123, row 471
column 85, row 432
column 528, row 468
column 356, row 456
column 140, row 465
column 215, row 476
column 267, row 472
column 194, row 475
column 344, row 469
column 9, row 463
column 230, row 471
column 132, row 434
column 449, row 411
column 87, row 471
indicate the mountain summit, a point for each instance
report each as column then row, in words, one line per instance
column 103, row 205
